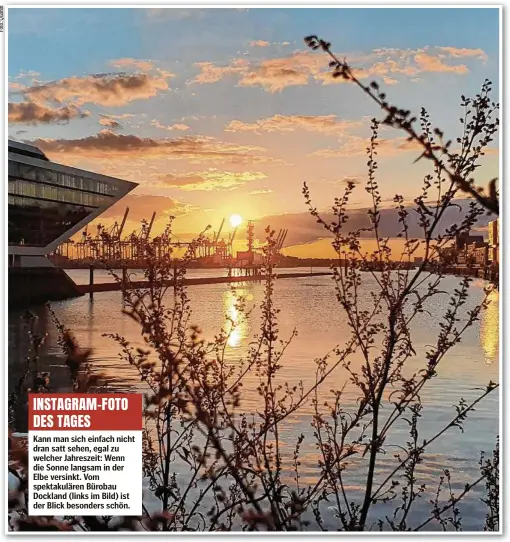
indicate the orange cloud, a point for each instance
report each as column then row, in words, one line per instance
column 261, row 192
column 463, row 52
column 357, row 146
column 278, row 73
column 179, row 127
column 15, row 86
column 109, row 145
column 123, row 63
column 143, row 66
column 101, row 89
column 264, row 43
column 209, row 73
column 301, row 67
column 142, row 206
column 273, row 74
column 34, row 113
column 108, row 121
column 390, row 80
column 123, row 116
column 209, row 180
column 327, row 124
column 490, row 150
column 429, row 63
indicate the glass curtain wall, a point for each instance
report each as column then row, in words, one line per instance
column 44, row 204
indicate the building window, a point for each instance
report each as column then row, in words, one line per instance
column 21, row 187
column 56, row 178
column 35, row 222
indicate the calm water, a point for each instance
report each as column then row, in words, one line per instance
column 303, row 303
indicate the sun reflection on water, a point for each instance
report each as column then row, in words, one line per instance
column 489, row 329
column 235, row 326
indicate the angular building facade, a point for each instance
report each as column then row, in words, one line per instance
column 47, row 204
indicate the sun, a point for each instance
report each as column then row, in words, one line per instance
column 235, row 221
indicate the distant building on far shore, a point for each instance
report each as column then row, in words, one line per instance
column 475, row 254
column 493, row 228
column 464, row 239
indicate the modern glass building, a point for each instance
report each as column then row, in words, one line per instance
column 49, row 202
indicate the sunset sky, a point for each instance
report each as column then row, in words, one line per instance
column 222, row 111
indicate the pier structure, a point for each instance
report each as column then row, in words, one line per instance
column 117, row 286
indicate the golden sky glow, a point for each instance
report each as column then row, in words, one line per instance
column 235, row 122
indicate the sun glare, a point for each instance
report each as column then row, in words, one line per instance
column 235, row 221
